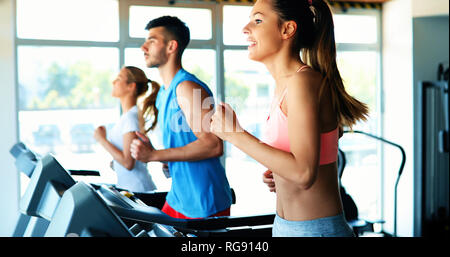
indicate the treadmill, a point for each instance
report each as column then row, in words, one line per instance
column 69, row 208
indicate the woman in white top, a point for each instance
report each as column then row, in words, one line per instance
column 130, row 84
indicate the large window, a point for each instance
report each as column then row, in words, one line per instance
column 197, row 19
column 66, row 65
column 68, row 20
column 248, row 89
column 358, row 60
column 362, row 176
column 363, row 28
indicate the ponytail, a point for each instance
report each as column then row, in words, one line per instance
column 149, row 109
column 321, row 56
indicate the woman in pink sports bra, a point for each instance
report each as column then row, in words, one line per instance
column 300, row 143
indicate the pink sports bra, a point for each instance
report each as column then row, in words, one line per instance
column 276, row 133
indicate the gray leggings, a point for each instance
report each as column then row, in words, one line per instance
column 334, row 226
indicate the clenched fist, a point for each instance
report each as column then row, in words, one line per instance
column 268, row 179
column 224, row 123
column 141, row 149
column 100, row 133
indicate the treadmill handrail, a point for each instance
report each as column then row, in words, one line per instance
column 400, row 170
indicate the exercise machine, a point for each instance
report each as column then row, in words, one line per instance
column 27, row 225
column 107, row 205
column 432, row 170
column 70, row 208
column 350, row 209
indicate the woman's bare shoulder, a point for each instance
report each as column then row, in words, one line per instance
column 307, row 80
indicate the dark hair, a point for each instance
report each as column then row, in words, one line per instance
column 299, row 12
column 175, row 27
column 149, row 110
column 315, row 39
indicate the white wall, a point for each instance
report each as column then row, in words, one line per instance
column 9, row 185
column 425, row 8
column 402, row 67
column 398, row 111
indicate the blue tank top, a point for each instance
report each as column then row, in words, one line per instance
column 199, row 188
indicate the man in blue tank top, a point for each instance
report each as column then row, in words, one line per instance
column 185, row 105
